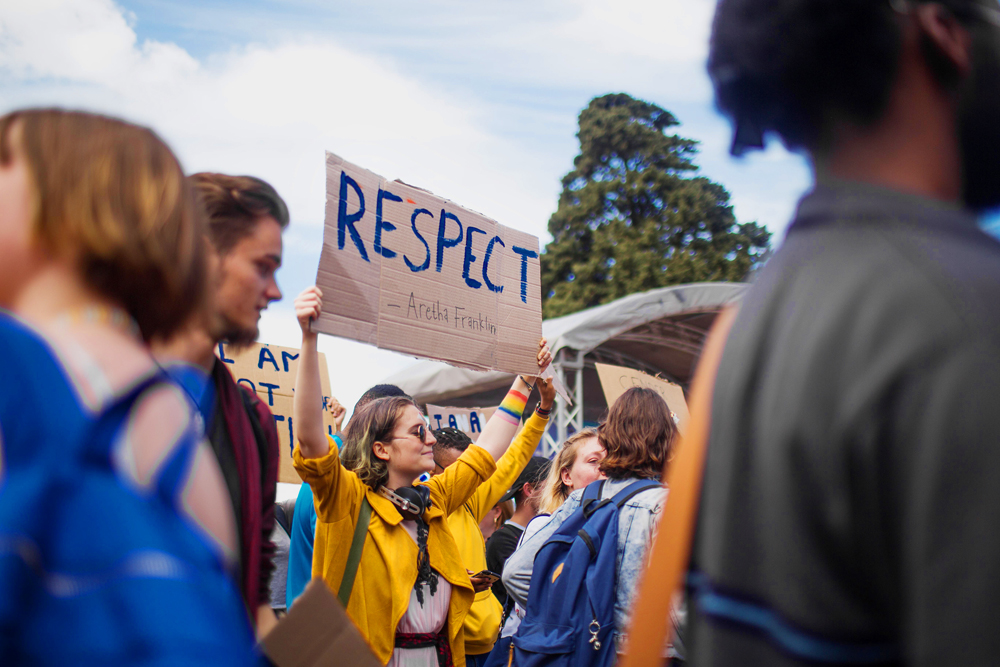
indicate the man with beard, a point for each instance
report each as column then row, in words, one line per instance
column 245, row 218
column 851, row 499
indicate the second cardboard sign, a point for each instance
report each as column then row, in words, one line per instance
column 616, row 380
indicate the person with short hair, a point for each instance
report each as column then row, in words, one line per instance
column 411, row 592
column 245, row 218
column 482, row 623
column 116, row 539
column 850, row 500
column 638, row 438
column 577, row 464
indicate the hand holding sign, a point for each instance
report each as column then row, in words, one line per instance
column 546, row 393
column 308, row 305
column 544, row 356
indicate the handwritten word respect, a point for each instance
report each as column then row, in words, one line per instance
column 450, row 233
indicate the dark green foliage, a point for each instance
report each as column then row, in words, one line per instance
column 633, row 215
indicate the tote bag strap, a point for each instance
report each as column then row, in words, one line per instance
column 354, row 555
column 671, row 548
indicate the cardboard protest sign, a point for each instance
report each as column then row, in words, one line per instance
column 405, row 270
column 468, row 420
column 616, row 380
column 269, row 371
column 317, row 632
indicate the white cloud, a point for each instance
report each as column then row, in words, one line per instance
column 271, row 108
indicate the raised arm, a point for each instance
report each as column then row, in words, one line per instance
column 500, row 429
column 308, row 403
column 517, row 455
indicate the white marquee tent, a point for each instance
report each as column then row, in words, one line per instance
column 660, row 332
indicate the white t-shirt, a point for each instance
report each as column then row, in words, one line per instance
column 419, row 619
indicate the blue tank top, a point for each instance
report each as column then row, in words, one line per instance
column 92, row 570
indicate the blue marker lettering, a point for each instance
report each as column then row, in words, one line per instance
column 249, row 384
column 267, row 355
column 222, row 354
column 443, row 241
column 474, row 423
column 346, row 222
column 270, row 395
column 486, row 265
column 525, row 254
column 287, row 356
column 470, row 259
column 451, row 422
column 416, row 232
column 381, row 224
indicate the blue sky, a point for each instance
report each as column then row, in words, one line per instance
column 474, row 101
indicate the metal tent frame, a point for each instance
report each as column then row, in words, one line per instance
column 659, row 332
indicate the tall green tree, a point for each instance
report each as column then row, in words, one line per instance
column 633, row 215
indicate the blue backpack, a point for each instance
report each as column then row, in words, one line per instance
column 571, row 607
column 95, row 573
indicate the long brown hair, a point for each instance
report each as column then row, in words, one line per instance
column 370, row 424
column 111, row 197
column 638, row 435
column 555, row 492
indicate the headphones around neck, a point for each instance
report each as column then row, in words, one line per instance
column 411, row 501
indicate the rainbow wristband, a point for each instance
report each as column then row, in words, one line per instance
column 512, row 406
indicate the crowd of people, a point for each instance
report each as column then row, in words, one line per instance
column 849, row 498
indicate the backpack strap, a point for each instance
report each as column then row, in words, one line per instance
column 354, row 555
column 591, row 500
column 670, row 551
column 634, row 489
column 101, row 439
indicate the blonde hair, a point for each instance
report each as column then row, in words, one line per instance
column 111, row 197
column 555, row 491
column 372, row 423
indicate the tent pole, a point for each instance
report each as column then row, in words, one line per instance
column 578, row 395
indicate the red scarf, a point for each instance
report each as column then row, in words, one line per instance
column 245, row 451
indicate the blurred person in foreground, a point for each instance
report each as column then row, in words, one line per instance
column 116, row 539
column 482, row 623
column 245, row 219
column 850, row 499
column 408, row 591
column 638, row 438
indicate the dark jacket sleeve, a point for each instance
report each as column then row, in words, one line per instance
column 498, row 549
column 269, row 453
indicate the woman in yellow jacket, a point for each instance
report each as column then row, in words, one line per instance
column 411, row 591
column 482, row 624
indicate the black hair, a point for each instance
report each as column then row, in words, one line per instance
column 450, row 438
column 788, row 66
column 381, row 391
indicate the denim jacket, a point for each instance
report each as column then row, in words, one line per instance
column 636, row 524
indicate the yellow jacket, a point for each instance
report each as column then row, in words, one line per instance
column 388, row 568
column 483, row 621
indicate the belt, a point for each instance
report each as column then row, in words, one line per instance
column 438, row 640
